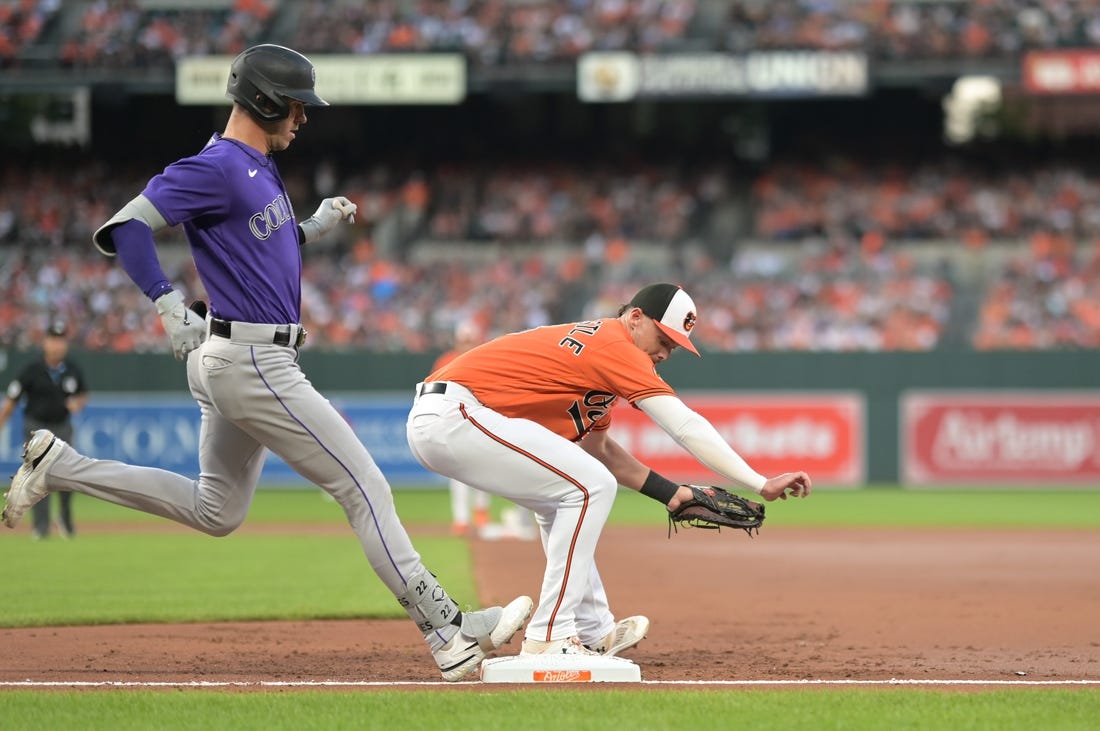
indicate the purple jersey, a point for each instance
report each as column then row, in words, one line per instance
column 244, row 238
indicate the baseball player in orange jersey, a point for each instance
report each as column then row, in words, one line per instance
column 525, row 416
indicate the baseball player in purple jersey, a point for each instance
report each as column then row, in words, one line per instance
column 242, row 363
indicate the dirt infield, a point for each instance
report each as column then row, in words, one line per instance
column 793, row 603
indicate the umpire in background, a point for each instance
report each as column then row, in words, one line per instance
column 53, row 390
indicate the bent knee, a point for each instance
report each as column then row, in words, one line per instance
column 219, row 531
column 605, row 487
column 599, row 486
column 219, row 525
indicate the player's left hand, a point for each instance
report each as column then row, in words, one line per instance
column 330, row 213
column 715, row 508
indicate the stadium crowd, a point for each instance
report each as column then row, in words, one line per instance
column 936, row 199
column 912, row 29
column 515, row 248
column 939, row 199
column 21, row 24
column 1047, row 297
column 117, row 34
column 495, row 33
column 518, row 245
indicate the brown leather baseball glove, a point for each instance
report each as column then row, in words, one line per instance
column 716, row 508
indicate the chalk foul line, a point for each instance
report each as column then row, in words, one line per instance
column 441, row 684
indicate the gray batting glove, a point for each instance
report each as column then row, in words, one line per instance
column 186, row 328
column 331, row 212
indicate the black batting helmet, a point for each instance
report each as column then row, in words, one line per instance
column 263, row 77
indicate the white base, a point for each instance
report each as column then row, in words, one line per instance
column 560, row 669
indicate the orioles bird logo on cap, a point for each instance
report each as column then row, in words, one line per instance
column 689, row 321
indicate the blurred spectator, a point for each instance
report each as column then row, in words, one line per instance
column 1044, row 299
column 21, row 23
column 125, row 34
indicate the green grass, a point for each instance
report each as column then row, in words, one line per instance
column 536, row 709
column 874, row 506
column 179, row 577
column 893, row 507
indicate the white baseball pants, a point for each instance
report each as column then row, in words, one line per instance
column 569, row 491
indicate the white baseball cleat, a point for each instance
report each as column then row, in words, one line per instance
column 627, row 633
column 29, row 484
column 481, row 633
column 568, row 646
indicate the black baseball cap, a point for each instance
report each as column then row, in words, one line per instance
column 57, row 329
column 671, row 308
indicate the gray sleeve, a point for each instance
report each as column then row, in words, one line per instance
column 140, row 209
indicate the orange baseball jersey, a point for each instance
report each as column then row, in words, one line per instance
column 444, row 358
column 564, row 377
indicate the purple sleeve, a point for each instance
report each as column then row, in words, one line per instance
column 187, row 189
column 137, row 252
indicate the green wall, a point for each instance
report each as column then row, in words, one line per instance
column 882, row 377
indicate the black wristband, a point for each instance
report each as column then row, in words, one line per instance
column 659, row 488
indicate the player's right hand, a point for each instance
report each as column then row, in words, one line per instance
column 186, row 328
column 795, row 484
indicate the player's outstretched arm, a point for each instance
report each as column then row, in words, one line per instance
column 699, row 437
